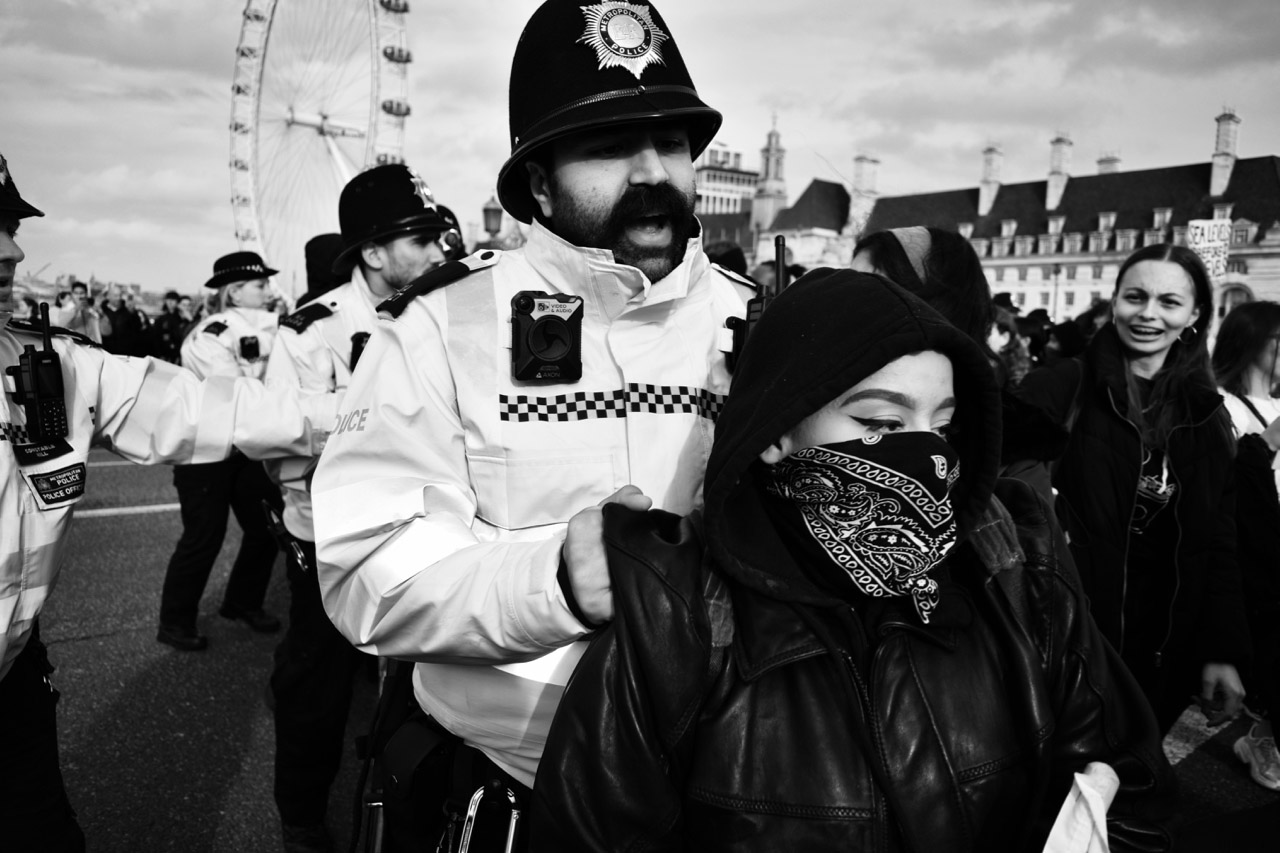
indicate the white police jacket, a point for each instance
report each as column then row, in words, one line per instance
column 313, row 351
column 235, row 342
column 146, row 411
column 443, row 493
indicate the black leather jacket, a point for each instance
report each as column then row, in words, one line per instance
column 710, row 716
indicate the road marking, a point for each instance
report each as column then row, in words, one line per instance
column 127, row 510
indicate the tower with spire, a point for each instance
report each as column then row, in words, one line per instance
column 771, row 192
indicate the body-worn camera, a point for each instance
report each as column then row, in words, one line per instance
column 546, row 337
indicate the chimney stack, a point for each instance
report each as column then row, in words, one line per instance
column 1059, row 168
column 1224, row 151
column 992, row 159
column 865, row 169
column 1108, row 163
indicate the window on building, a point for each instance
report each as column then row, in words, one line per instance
column 1071, row 272
column 1046, row 273
column 1073, row 242
column 1048, row 244
column 999, row 273
column 1044, row 299
column 1222, row 211
column 1095, row 296
column 966, row 230
column 1238, row 265
column 1179, row 235
column 1020, row 298
column 1056, row 223
column 1022, row 273
column 1162, row 217
column 1022, row 246
column 1125, row 240
column 1106, row 221
column 979, row 246
column 1098, row 241
column 999, row 248
column 1008, row 227
column 1153, row 236
column 1240, row 236
column 1097, row 272
column 1069, row 298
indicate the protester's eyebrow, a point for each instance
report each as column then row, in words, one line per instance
column 895, row 397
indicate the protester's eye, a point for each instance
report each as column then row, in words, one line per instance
column 879, row 424
column 949, row 431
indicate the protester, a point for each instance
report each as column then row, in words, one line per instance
column 166, row 332
column 143, row 410
column 235, row 341
column 857, row 647
column 320, row 252
column 26, row 309
column 455, row 501
column 1065, row 340
column 78, row 314
column 126, row 335
column 385, row 217
column 729, row 255
column 1146, row 489
column 1246, row 363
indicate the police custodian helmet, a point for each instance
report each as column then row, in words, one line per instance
column 10, row 200
column 383, row 202
column 578, row 67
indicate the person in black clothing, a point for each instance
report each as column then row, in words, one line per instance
column 166, row 331
column 1146, row 486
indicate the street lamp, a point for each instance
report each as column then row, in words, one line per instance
column 492, row 217
column 1057, row 271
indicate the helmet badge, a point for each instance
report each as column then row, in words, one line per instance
column 623, row 35
column 422, row 191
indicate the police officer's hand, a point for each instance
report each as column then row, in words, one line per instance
column 584, row 554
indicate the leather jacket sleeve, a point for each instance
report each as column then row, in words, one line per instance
column 641, row 733
column 1222, row 635
column 1091, row 708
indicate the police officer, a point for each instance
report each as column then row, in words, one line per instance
column 58, row 402
column 456, row 504
column 233, row 341
column 391, row 233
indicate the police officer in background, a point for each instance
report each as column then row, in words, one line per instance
column 457, row 502
column 233, row 341
column 391, row 233
column 59, row 400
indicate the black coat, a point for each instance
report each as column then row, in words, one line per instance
column 709, row 716
column 1198, row 607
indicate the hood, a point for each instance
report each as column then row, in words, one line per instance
column 818, row 338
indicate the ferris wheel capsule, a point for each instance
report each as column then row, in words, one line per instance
column 319, row 93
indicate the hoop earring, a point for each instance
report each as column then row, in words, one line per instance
column 1182, row 336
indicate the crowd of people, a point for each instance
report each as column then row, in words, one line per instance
column 660, row 554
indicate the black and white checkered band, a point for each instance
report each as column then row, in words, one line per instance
column 13, row 433
column 584, row 405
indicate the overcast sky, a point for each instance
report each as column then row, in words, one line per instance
column 116, row 111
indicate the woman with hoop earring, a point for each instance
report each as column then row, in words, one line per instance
column 1146, row 486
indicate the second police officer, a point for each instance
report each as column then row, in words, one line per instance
column 234, row 341
column 392, row 232
column 457, row 503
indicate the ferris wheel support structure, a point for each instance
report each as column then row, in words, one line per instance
column 319, row 93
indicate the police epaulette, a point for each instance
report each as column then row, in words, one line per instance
column 57, row 331
column 217, row 327
column 305, row 316
column 738, row 277
column 444, row 274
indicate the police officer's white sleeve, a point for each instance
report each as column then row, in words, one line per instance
column 206, row 355
column 148, row 411
column 297, row 361
column 401, row 572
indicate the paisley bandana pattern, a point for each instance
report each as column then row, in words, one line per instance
column 879, row 507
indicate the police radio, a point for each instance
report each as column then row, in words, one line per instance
column 37, row 380
column 546, row 337
column 743, row 326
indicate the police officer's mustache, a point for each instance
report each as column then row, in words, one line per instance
column 659, row 203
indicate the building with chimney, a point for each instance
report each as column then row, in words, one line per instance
column 1058, row 243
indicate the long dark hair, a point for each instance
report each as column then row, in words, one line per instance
column 954, row 284
column 1186, row 367
column 1244, row 334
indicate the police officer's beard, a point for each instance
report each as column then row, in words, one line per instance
column 657, row 204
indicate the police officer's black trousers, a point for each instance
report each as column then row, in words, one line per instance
column 206, row 493
column 312, row 685
column 35, row 814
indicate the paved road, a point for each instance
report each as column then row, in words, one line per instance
column 165, row 751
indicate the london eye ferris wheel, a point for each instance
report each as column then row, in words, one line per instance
column 320, row 92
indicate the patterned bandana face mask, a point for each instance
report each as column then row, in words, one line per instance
column 879, row 507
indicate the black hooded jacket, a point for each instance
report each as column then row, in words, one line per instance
column 735, row 704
